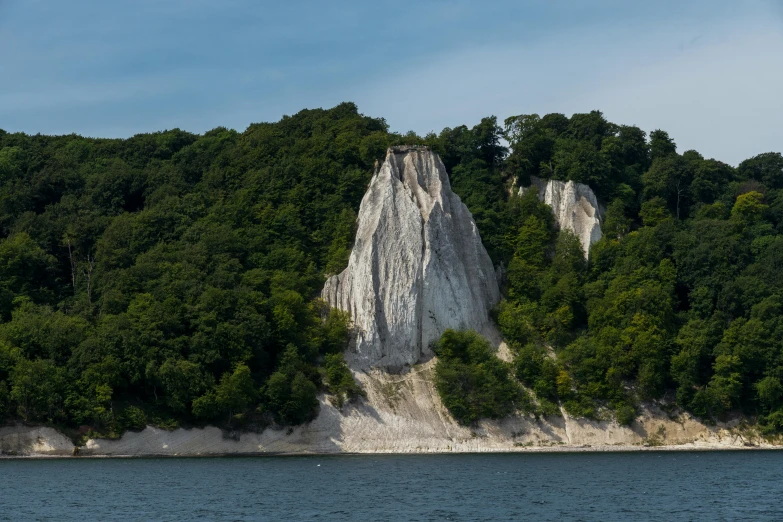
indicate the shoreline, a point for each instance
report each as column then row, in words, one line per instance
column 402, row 415
column 559, row 449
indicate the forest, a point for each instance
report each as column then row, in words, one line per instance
column 172, row 278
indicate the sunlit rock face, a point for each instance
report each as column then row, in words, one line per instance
column 417, row 267
column 575, row 208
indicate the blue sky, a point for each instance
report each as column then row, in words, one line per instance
column 709, row 71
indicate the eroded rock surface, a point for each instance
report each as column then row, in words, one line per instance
column 417, row 267
column 575, row 207
column 21, row 440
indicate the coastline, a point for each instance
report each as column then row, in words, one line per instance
column 681, row 448
column 402, row 415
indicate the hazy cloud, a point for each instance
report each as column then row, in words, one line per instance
column 718, row 93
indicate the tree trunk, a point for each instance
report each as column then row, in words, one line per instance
column 73, row 265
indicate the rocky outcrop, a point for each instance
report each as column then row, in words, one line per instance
column 417, row 267
column 575, row 208
column 20, row 440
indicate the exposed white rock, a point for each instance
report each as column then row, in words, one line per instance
column 21, row 440
column 417, row 267
column 575, row 208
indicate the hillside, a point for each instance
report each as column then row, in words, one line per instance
column 172, row 279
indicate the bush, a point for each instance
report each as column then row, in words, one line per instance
column 235, row 393
column 340, row 381
column 471, row 381
column 536, row 370
column 625, row 414
column 294, row 401
column 132, row 418
column 772, row 423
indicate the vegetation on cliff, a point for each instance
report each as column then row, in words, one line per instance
column 682, row 299
column 472, row 382
column 171, row 277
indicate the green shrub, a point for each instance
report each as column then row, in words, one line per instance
column 340, row 381
column 471, row 381
column 132, row 418
column 294, row 400
column 536, row 370
column 625, row 414
column 772, row 423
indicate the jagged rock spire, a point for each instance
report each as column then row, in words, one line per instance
column 417, row 267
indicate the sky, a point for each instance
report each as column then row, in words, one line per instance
column 710, row 72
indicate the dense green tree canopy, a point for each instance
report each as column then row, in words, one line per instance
column 680, row 299
column 472, row 382
column 172, row 278
column 172, row 275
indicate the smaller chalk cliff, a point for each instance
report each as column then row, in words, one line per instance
column 417, row 267
column 575, row 207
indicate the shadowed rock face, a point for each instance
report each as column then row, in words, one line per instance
column 417, row 267
column 575, row 207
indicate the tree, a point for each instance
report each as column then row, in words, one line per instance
column 766, row 168
column 724, row 390
column 748, row 208
column 4, row 399
column 710, row 178
column 182, row 382
column 654, row 212
column 532, row 241
column 691, row 366
column 233, row 395
column 340, row 379
column 487, row 141
column 293, row 400
column 661, row 145
column 770, row 391
column 38, row 388
column 90, row 402
column 616, row 223
column 26, row 270
column 12, row 163
column 670, row 178
column 580, row 161
column 531, row 143
column 471, row 381
column 590, row 126
column 291, row 395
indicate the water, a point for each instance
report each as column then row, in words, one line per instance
column 620, row 486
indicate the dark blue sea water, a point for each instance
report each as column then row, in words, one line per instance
column 619, row 486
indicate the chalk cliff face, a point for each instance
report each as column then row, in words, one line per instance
column 575, row 207
column 417, row 267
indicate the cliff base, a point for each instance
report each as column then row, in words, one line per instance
column 402, row 414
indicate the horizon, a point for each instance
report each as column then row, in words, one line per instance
column 705, row 72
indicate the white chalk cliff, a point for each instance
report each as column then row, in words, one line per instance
column 575, row 207
column 417, row 267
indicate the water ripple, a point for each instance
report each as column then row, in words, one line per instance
column 606, row 487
